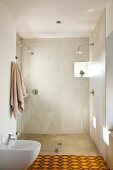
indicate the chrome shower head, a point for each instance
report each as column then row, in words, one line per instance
column 29, row 49
column 79, row 51
column 19, row 45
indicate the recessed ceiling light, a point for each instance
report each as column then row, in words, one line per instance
column 58, row 22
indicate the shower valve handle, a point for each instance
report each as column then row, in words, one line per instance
column 92, row 92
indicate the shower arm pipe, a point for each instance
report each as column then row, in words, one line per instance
column 85, row 45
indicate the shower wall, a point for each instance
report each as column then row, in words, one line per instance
column 62, row 103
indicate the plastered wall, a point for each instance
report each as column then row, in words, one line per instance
column 62, row 103
column 7, row 54
column 97, row 102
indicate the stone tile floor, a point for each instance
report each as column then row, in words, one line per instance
column 64, row 144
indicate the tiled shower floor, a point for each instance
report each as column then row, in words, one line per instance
column 64, row 144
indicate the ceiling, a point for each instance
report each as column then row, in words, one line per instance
column 37, row 18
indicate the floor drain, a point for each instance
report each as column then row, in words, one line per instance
column 56, row 150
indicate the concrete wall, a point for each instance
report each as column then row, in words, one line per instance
column 62, row 104
column 7, row 54
column 97, row 102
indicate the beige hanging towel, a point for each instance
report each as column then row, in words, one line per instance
column 17, row 90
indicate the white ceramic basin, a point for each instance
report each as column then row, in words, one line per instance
column 18, row 154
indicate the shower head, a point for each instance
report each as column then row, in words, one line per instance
column 29, row 49
column 79, row 51
column 19, row 45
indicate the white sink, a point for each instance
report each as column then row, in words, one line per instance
column 18, row 154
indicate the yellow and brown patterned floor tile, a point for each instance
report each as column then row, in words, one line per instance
column 68, row 162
